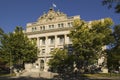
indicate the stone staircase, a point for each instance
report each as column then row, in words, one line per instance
column 34, row 73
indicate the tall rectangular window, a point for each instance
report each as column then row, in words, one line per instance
column 49, row 26
column 43, row 51
column 43, row 41
column 58, row 25
column 51, row 49
column 52, row 40
column 40, row 27
column 69, row 25
column 43, row 27
column 62, row 25
column 32, row 29
column 52, row 26
column 35, row 28
column 61, row 38
column 70, row 40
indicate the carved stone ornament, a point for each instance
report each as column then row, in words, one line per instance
column 51, row 15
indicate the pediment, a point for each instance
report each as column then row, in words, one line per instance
column 52, row 15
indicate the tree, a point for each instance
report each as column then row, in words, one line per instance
column 114, row 53
column 17, row 48
column 3, row 62
column 88, row 40
column 61, row 62
column 1, row 32
column 112, row 3
column 1, row 37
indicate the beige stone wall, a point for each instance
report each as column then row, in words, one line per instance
column 54, row 27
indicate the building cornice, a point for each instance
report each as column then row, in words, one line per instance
column 49, row 31
column 47, row 23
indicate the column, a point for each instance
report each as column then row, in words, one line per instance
column 46, row 67
column 65, row 39
column 46, row 52
column 38, row 42
column 56, row 41
column 46, row 45
column 38, row 46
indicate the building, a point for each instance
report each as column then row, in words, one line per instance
column 50, row 31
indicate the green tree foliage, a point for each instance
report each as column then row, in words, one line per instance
column 2, row 34
column 17, row 48
column 61, row 62
column 3, row 67
column 88, row 40
column 112, row 3
column 114, row 53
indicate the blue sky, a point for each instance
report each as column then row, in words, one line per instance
column 20, row 12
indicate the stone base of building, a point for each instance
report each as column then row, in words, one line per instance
column 34, row 71
column 104, row 70
column 37, row 74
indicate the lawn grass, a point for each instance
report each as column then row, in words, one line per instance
column 1, row 75
column 101, row 75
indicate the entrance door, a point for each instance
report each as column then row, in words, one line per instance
column 41, row 65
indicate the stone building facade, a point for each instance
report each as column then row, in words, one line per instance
column 50, row 31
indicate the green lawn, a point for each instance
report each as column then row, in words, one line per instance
column 5, row 75
column 102, row 75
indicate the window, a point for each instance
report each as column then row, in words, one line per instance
column 59, row 25
column 33, row 29
column 62, row 25
column 61, row 48
column 43, row 51
column 43, row 41
column 69, row 25
column 52, row 40
column 41, row 65
column 70, row 40
column 49, row 26
column 52, row 26
column 51, row 49
column 43, row 27
column 61, row 40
